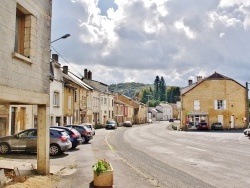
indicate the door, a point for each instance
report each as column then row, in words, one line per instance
column 13, row 121
column 232, row 122
column 220, row 119
column 3, row 126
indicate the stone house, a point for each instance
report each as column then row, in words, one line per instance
column 166, row 109
column 139, row 109
column 216, row 98
column 25, row 27
column 76, row 94
column 103, row 100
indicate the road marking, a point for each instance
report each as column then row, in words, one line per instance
column 195, row 148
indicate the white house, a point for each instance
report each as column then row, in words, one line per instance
column 166, row 109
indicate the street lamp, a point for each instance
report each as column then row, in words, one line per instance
column 148, row 98
column 62, row 37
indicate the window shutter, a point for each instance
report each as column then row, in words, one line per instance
column 215, row 105
column 224, row 104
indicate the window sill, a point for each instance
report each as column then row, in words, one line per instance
column 56, row 106
column 21, row 57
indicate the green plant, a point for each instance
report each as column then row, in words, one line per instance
column 101, row 166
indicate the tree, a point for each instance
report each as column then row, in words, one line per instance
column 162, row 90
column 156, row 88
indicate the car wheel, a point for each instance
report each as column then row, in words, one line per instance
column 83, row 139
column 54, row 149
column 4, row 148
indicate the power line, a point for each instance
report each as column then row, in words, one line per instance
column 65, row 60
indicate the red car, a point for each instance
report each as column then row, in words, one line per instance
column 202, row 126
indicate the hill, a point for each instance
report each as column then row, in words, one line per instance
column 129, row 89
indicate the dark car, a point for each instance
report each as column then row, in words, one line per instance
column 75, row 136
column 202, row 126
column 85, row 132
column 127, row 124
column 111, row 124
column 171, row 120
column 27, row 141
column 217, row 125
column 90, row 126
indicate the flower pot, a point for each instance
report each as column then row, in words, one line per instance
column 104, row 179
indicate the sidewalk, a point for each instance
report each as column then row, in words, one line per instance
column 74, row 173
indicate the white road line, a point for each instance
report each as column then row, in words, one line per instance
column 195, row 148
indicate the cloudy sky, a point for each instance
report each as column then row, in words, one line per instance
column 136, row 40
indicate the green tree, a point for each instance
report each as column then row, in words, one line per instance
column 162, row 90
column 156, row 88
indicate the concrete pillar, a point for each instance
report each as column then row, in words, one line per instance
column 43, row 140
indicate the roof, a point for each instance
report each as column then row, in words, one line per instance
column 76, row 80
column 214, row 76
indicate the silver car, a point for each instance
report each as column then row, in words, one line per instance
column 27, row 141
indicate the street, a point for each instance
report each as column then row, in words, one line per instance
column 185, row 159
column 152, row 155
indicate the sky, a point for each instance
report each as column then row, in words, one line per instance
column 136, row 40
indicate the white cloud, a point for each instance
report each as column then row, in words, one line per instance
column 141, row 39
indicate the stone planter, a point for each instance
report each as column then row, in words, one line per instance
column 104, row 179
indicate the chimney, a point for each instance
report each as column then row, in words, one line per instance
column 65, row 69
column 85, row 74
column 199, row 78
column 190, row 82
column 55, row 57
column 90, row 75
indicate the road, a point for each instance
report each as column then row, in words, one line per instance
column 184, row 159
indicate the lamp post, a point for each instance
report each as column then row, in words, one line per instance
column 148, row 99
column 62, row 37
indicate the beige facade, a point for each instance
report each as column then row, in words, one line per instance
column 214, row 99
column 139, row 109
column 25, row 27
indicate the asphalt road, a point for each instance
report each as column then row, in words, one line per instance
column 184, row 159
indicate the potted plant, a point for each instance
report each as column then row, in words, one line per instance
column 103, row 174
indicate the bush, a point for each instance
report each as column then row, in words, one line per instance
column 101, row 166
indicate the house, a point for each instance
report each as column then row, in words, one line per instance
column 76, row 94
column 103, row 99
column 216, row 98
column 139, row 109
column 122, row 111
column 156, row 114
column 166, row 109
column 24, row 79
column 56, row 92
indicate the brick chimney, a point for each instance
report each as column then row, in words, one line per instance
column 89, row 75
column 85, row 74
column 199, row 78
column 190, row 82
column 65, row 69
column 55, row 57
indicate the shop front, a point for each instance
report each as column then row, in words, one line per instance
column 194, row 118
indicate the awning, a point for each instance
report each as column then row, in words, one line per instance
column 197, row 113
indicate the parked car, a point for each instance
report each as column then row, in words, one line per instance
column 111, row 124
column 27, row 141
column 171, row 120
column 202, row 126
column 75, row 136
column 90, row 126
column 127, row 124
column 216, row 125
column 246, row 131
column 85, row 132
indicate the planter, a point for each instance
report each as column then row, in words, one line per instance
column 104, row 179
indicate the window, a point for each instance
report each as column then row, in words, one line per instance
column 105, row 101
column 196, row 105
column 25, row 33
column 220, row 104
column 56, row 99
column 20, row 32
column 75, row 95
column 69, row 102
